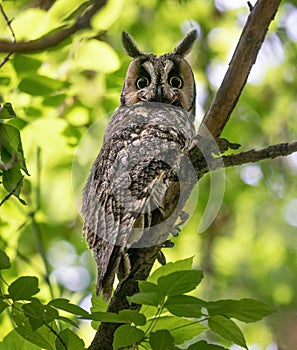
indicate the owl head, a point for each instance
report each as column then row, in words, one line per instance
column 165, row 79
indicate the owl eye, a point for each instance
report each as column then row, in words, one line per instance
column 176, row 82
column 142, row 82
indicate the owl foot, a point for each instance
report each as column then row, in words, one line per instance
column 168, row 244
column 183, row 216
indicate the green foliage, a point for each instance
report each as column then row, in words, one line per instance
column 12, row 159
column 178, row 318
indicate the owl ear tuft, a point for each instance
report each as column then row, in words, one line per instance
column 184, row 47
column 130, row 46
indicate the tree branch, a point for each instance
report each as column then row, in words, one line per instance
column 241, row 63
column 51, row 40
column 253, row 156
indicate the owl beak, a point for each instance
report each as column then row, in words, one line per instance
column 159, row 96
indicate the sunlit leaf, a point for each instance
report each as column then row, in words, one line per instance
column 181, row 329
column 108, row 15
column 184, row 306
column 227, row 329
column 133, row 316
column 39, row 314
column 6, row 111
column 148, row 287
column 151, row 298
column 35, row 337
column 68, row 320
column 246, row 310
column 180, row 282
column 63, row 9
column 203, row 345
column 12, row 181
column 23, row 288
column 3, row 306
column 161, row 340
column 25, row 64
column 64, row 304
column 38, row 85
column 107, row 317
column 30, row 23
column 70, row 340
column 87, row 57
column 185, row 264
column 127, row 335
column 14, row 341
column 4, row 261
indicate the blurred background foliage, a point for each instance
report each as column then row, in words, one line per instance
column 63, row 97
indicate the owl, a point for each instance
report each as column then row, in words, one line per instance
column 129, row 188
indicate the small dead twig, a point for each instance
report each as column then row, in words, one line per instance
column 8, row 22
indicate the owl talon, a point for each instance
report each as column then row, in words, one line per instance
column 168, row 244
column 161, row 258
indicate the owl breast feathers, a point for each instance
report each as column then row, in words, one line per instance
column 142, row 157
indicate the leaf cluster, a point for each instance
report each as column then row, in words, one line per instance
column 12, row 160
column 169, row 317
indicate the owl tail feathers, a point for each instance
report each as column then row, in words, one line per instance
column 106, row 288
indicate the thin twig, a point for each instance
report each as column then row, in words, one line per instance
column 8, row 22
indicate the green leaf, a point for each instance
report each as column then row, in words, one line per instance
column 39, row 85
column 35, row 337
column 10, row 138
column 11, row 145
column 148, row 287
column 185, row 264
column 69, row 340
column 133, row 316
column 6, row 111
column 127, row 335
column 161, row 340
column 23, row 288
column 227, row 329
column 68, row 320
column 246, row 310
column 4, row 261
column 65, row 305
column 151, row 298
column 203, row 345
column 3, row 305
column 43, row 337
column 88, row 52
column 107, row 317
column 25, row 64
column 39, row 314
column 12, row 181
column 184, row 306
column 181, row 329
column 180, row 282
column 14, row 341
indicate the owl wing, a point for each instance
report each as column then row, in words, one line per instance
column 127, row 185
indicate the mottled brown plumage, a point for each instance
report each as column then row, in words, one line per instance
column 140, row 157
